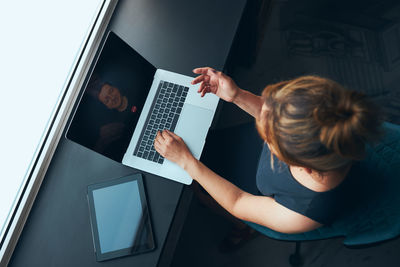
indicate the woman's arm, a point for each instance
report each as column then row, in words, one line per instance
column 258, row 209
column 224, row 87
column 249, row 102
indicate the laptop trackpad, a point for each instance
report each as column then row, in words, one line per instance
column 193, row 126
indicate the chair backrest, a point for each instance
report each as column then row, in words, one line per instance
column 376, row 216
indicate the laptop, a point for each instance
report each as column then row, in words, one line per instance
column 126, row 100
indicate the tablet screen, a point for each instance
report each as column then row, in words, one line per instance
column 120, row 218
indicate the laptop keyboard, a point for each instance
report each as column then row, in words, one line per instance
column 164, row 114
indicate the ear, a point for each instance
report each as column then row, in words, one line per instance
column 308, row 170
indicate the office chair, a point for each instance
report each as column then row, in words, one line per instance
column 377, row 217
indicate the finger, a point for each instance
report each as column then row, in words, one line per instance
column 167, row 135
column 213, row 71
column 157, row 142
column 159, row 137
column 202, row 78
column 202, row 88
column 159, row 149
column 159, row 145
column 199, row 79
column 206, row 90
column 173, row 135
column 202, row 70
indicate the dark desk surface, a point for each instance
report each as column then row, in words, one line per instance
column 176, row 35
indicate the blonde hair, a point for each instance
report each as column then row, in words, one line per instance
column 316, row 123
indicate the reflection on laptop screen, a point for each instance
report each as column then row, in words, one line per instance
column 113, row 100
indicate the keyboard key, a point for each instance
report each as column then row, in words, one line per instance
column 174, row 122
column 180, row 90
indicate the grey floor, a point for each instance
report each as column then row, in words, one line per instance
column 279, row 58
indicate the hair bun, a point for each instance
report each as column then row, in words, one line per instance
column 337, row 109
column 344, row 113
column 342, row 122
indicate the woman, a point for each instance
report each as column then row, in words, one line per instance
column 311, row 124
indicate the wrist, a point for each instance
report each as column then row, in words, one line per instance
column 188, row 161
column 237, row 95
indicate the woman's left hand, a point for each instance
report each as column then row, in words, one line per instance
column 172, row 147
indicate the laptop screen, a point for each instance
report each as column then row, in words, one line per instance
column 112, row 101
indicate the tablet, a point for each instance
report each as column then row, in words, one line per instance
column 120, row 218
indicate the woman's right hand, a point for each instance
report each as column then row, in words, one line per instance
column 216, row 82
